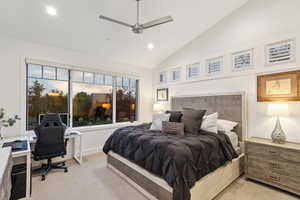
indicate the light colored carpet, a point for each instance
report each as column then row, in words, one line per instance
column 93, row 181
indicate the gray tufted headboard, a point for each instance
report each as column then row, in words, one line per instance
column 230, row 106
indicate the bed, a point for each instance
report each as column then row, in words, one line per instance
column 230, row 107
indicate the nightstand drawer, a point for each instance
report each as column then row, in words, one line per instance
column 270, row 152
column 274, row 166
column 293, row 183
column 286, row 181
column 262, row 150
column 290, row 155
column 284, row 168
column 256, row 173
column 257, row 162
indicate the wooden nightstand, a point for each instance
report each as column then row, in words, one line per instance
column 274, row 164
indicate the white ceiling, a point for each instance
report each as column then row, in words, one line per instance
column 78, row 28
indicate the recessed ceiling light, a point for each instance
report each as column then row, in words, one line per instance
column 51, row 10
column 150, row 46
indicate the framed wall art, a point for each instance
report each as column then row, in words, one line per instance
column 162, row 94
column 283, row 86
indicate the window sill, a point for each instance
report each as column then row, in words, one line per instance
column 98, row 127
column 106, row 126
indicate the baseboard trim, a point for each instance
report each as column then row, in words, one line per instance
column 91, row 151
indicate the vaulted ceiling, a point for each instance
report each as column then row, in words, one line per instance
column 77, row 27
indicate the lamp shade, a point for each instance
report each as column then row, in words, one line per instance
column 278, row 110
column 157, row 107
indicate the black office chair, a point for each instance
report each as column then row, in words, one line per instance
column 50, row 143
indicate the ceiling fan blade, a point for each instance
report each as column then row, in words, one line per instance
column 115, row 21
column 157, row 22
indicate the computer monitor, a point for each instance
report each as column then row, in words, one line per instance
column 63, row 116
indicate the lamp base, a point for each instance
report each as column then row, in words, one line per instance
column 278, row 135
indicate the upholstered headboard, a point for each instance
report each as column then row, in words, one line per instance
column 229, row 106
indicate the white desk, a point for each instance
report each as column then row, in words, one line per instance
column 5, row 173
column 70, row 134
column 27, row 155
column 76, row 136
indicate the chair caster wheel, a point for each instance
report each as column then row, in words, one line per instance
column 43, row 178
column 66, row 170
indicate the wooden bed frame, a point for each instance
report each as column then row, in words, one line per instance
column 230, row 106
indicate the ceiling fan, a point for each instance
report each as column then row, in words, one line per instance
column 138, row 28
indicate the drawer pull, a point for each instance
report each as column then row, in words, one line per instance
column 274, row 166
column 273, row 152
column 274, row 178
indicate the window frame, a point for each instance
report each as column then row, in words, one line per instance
column 173, row 73
column 244, row 67
column 292, row 52
column 219, row 59
column 137, row 101
column 46, row 79
column 194, row 65
column 162, row 74
column 70, row 95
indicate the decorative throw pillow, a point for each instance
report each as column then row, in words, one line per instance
column 192, row 120
column 175, row 115
column 157, row 121
column 173, row 128
column 226, row 125
column 210, row 123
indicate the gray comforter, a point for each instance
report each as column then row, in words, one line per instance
column 179, row 160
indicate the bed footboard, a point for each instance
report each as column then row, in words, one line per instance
column 155, row 188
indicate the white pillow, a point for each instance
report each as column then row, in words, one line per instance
column 157, row 121
column 226, row 125
column 210, row 123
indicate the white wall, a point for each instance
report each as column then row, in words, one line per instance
column 12, row 82
column 257, row 23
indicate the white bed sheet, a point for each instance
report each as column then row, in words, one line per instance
column 234, row 139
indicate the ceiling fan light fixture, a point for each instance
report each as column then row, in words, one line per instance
column 51, row 11
column 139, row 28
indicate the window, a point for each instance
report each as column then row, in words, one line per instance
column 47, row 92
column 53, row 90
column 92, row 101
column 126, row 99
column 176, row 74
column 242, row 60
column 214, row 65
column 280, row 52
column 193, row 70
column 162, row 77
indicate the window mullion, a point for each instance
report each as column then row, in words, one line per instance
column 70, row 99
column 114, row 99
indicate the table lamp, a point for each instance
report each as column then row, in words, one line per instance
column 278, row 110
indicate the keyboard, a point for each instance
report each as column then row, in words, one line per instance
column 18, row 145
column 66, row 135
